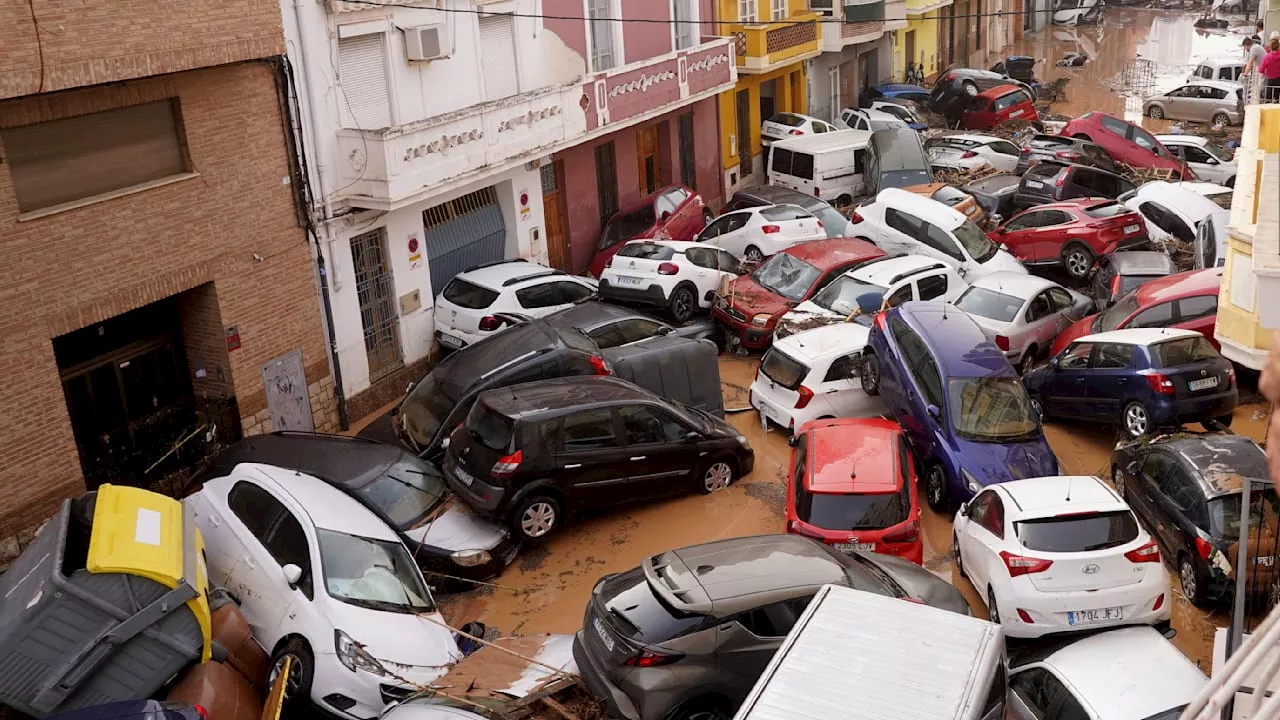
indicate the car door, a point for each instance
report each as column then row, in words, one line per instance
column 1019, row 234
column 1178, row 103
column 1199, row 313
column 704, row 272
column 746, row 642
column 548, row 297
column 1063, row 391
column 1144, row 496
column 937, row 285
column 659, row 459
column 941, row 244
column 721, row 225
column 737, row 232
column 1178, row 495
column 1047, row 238
column 1064, row 304
column 1110, row 380
column 589, row 462
column 270, row 537
column 983, row 538
column 1004, row 155
column 1036, row 693
column 903, row 232
column 1039, row 326
column 841, row 389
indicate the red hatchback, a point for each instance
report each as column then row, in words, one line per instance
column 1126, row 143
column 1072, row 233
column 672, row 213
column 998, row 105
column 853, row 486
column 753, row 304
column 1187, row 300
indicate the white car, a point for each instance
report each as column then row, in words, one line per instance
column 971, row 152
column 890, row 280
column 1221, row 195
column 871, row 120
column 680, row 276
column 1093, row 678
column 756, row 233
column 324, row 581
column 1210, row 161
column 1171, row 212
column 1059, row 554
column 814, row 374
column 899, row 221
column 486, row 299
column 902, row 111
column 785, row 125
column 1022, row 314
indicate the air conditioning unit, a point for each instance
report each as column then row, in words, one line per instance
column 426, row 43
column 826, row 7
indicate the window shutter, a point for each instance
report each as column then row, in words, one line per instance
column 602, row 55
column 498, row 56
column 362, row 75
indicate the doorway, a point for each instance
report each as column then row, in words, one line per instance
column 647, row 159
column 910, row 44
column 768, row 99
column 833, row 92
column 744, row 132
column 552, row 175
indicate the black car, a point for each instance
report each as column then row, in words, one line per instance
column 1119, row 273
column 1060, row 148
column 532, row 454
column 135, row 710
column 613, row 326
column 409, row 494
column 1185, row 489
column 995, row 194
column 1048, row 182
column 955, row 86
column 833, row 222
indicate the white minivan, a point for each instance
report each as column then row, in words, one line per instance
column 829, row 165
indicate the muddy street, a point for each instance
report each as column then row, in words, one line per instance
column 547, row 588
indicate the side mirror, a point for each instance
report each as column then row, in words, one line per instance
column 964, row 509
column 292, row 574
column 666, row 330
column 1055, row 362
column 791, row 441
column 934, row 412
column 692, row 437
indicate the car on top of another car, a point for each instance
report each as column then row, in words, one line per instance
column 1022, row 313
column 972, row 152
column 1121, row 273
column 951, row 196
column 783, row 125
column 1072, row 234
column 490, row 298
column 754, row 233
column 672, row 213
column 812, row 374
column 1126, row 143
column 835, row 224
column 1064, row 149
column 999, row 105
column 681, row 277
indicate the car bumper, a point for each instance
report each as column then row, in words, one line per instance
column 1051, row 610
column 436, row 563
column 653, row 295
column 1193, row 410
column 1133, row 243
column 784, row 417
column 370, row 692
column 748, row 336
column 482, row 496
column 453, row 338
column 616, row 701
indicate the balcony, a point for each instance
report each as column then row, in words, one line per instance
column 765, row 47
column 864, row 21
column 895, row 14
column 920, row 7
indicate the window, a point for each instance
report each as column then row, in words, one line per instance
column 1027, row 221
column 802, row 165
column 600, row 22
column 1060, row 298
column 940, row 240
column 930, row 381
column 606, row 182
column 288, row 545
column 1156, row 465
column 779, row 9
column 362, row 81
column 551, row 294
column 1076, row 357
column 1166, row 220
column 1199, row 306
column 1183, row 351
column 1039, row 307
column 498, row 56
column 1119, row 127
column 625, row 332
column 1196, row 155
column 783, row 369
column 274, row 526
column 1146, row 141
column 785, row 212
column 469, row 295
column 1153, row 317
column 1046, row 696
column 1004, row 102
column 988, row 512
column 1006, row 148
column 908, row 225
column 747, row 11
column 255, row 507
column 685, row 15
column 688, row 151
column 899, row 296
column 712, row 259
column 74, row 158
column 666, row 205
column 776, row 620
column 1113, row 357
column 843, row 368
column 1204, row 71
column 643, row 425
column 1178, row 487
column 931, row 287
column 489, row 427
column 588, row 430
column 1078, row 532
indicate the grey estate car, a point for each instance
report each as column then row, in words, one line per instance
column 686, row 635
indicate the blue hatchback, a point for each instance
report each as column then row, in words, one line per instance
column 1140, row 378
column 958, row 399
column 902, row 91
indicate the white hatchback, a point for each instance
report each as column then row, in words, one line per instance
column 485, row 299
column 325, row 582
column 680, row 276
column 814, row 374
column 1210, row 161
column 756, row 233
column 971, row 152
column 1059, row 554
column 785, row 125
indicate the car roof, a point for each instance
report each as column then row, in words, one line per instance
column 1184, row 200
column 497, row 276
column 1085, row 203
column 926, row 209
column 971, row 137
column 550, row 397
column 328, row 507
column 1184, row 284
column 1201, row 187
column 999, row 181
column 955, row 340
column 1183, row 139
column 884, row 271
column 854, row 455
column 999, row 90
column 1138, row 262
column 461, row 370
column 873, row 114
column 1061, row 494
column 1021, row 285
column 1227, row 85
column 833, row 252
column 1127, row 673
column 351, row 462
column 590, row 314
column 833, row 140
column 1138, row 336
column 777, row 195
column 681, row 245
column 729, row 576
column 1223, row 460
column 824, row 341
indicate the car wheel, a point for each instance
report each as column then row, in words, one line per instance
column 297, row 689
column 682, row 304
column 707, row 217
column 970, row 89
column 1136, row 420
column 1220, row 118
column 993, row 610
column 935, row 487
column 955, row 553
column 535, row 518
column 700, row 710
column 1192, row 588
column 1082, row 136
column 717, row 475
column 1077, row 260
column 1028, row 362
column 869, row 373
column 1155, row 113
column 1037, row 407
column 753, row 254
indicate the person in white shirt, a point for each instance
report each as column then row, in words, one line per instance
column 1253, row 54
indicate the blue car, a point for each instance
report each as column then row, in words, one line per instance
column 901, row 91
column 1142, row 379
column 964, row 411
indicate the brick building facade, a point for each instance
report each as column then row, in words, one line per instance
column 156, row 288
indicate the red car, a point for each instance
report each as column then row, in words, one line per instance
column 998, row 105
column 750, row 308
column 853, row 485
column 1187, row 300
column 1072, row 233
column 672, row 213
column 1125, row 142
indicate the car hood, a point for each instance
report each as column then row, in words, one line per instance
column 920, row 584
column 993, row 463
column 808, row 315
column 1002, row 260
column 457, row 527
column 396, row 639
column 1077, row 329
column 751, row 299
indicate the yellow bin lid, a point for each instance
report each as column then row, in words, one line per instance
column 138, row 532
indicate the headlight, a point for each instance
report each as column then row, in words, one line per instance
column 354, row 657
column 471, row 558
column 971, row 482
column 744, row 442
column 761, row 320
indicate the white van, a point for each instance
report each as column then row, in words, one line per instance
column 829, row 165
column 855, row 655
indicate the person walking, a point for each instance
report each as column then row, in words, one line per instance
column 1270, row 69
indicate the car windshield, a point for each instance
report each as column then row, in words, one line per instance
column 627, row 226
column 869, row 511
column 425, row 408
column 641, row 614
column 991, row 410
column 786, row 275
column 1111, row 318
column 405, row 492
column 846, row 295
column 783, row 369
column 374, row 574
column 989, row 304
column 489, row 427
column 1078, row 532
column 1224, row 511
column 975, row 242
column 787, row 119
column 1183, row 351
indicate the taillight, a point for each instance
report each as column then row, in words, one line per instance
column 667, row 268
column 906, row 533
column 949, row 77
column 1231, row 375
column 819, row 223
column 598, row 364
column 1159, row 603
column 1204, row 547
column 1026, row 151
column 1115, row 285
column 805, row 396
column 489, row 323
column 796, row 132
column 1025, row 617
column 1068, row 154
column 1159, row 382
column 507, row 465
column 817, row 192
column 1062, row 178
column 652, row 658
column 968, row 154
column 1149, row 553
column 857, row 217
column 1020, row 565
column 201, row 711
column 770, row 229
column 1002, row 342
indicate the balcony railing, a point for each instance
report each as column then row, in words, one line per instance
column 765, row 47
column 920, row 7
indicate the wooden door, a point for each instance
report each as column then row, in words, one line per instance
column 647, row 159
column 553, row 214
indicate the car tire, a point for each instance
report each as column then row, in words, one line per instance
column 955, row 554
column 1155, row 112
column 1135, row 420
column 935, row 488
column 1220, row 118
column 707, row 217
column 1037, row 406
column 1217, row 423
column 1028, row 362
column 716, row 475
column 297, row 691
column 869, row 374
column 1192, row 583
column 682, row 304
column 1077, row 260
column 753, row 254
column 993, row 610
column 1117, row 480
column 969, row 88
column 536, row 518
column 700, row 710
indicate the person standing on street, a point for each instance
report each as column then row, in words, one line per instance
column 1253, row 56
column 1270, row 68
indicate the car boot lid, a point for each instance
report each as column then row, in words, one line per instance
column 457, row 527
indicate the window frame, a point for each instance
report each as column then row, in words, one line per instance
column 560, row 448
column 601, row 26
column 657, row 413
column 684, row 26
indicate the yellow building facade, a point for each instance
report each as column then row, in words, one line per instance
column 919, row 41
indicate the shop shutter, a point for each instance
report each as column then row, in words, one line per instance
column 498, row 56
column 362, row 77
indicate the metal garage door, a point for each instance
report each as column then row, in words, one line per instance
column 461, row 233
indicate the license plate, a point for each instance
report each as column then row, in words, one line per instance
column 1016, row 113
column 451, row 341
column 850, row 546
column 605, row 637
column 1130, row 229
column 628, row 280
column 1204, row 384
column 464, row 477
column 1088, row 617
column 1035, row 184
column 1265, row 561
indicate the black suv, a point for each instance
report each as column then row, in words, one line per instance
column 1060, row 148
column 1048, row 182
column 533, row 453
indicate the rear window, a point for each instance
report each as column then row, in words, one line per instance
column 1049, row 142
column 489, row 427
column 787, row 119
column 637, row 612
column 989, row 304
column 1183, row 351
column 1107, row 210
column 1078, row 533
column 788, row 162
column 625, row 227
column 469, row 295
column 785, row 212
column 951, row 142
column 783, row 369
column 577, row 340
column 1045, row 170
column 647, row 251
column 833, row 511
column 950, row 196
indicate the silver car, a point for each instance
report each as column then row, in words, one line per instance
column 1220, row 102
column 1022, row 314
